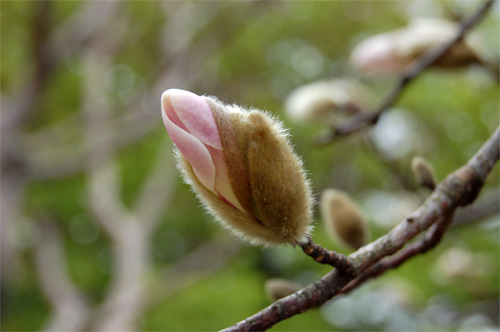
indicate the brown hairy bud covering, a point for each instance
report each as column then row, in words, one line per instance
column 343, row 219
column 279, row 288
column 273, row 196
column 424, row 172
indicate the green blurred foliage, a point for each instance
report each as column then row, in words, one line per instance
column 264, row 49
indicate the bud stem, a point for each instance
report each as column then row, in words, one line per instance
column 324, row 256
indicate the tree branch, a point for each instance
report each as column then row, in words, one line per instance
column 431, row 239
column 458, row 189
column 324, row 256
column 157, row 189
column 70, row 310
column 364, row 119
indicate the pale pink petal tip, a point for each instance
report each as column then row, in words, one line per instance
column 195, row 114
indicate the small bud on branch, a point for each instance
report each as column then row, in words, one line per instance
column 343, row 219
column 280, row 288
column 392, row 52
column 424, row 172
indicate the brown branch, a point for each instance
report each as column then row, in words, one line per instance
column 432, row 237
column 458, row 189
column 324, row 256
column 368, row 118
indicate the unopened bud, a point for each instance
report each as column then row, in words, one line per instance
column 321, row 101
column 424, row 172
column 280, row 288
column 343, row 219
column 391, row 53
column 242, row 167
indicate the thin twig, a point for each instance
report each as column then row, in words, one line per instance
column 458, row 189
column 364, row 119
column 404, row 181
column 324, row 256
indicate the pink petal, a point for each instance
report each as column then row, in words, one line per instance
column 376, row 55
column 193, row 150
column 195, row 114
column 222, row 183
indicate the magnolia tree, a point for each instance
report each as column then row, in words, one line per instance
column 107, row 165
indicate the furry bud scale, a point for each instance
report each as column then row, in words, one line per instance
column 424, row 172
column 279, row 288
column 343, row 219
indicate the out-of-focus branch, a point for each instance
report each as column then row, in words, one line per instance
column 141, row 116
column 20, row 106
column 157, row 189
column 404, row 181
column 15, row 111
column 125, row 299
column 198, row 264
column 17, row 108
column 486, row 205
column 460, row 188
column 368, row 118
column 77, row 30
column 70, row 310
column 104, row 182
column 50, row 50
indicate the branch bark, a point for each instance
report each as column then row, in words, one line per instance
column 460, row 188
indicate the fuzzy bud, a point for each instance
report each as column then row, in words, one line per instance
column 424, row 172
column 391, row 53
column 343, row 219
column 321, row 101
column 280, row 288
column 241, row 166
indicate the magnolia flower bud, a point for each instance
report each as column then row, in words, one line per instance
column 390, row 53
column 343, row 219
column 280, row 288
column 424, row 172
column 241, row 166
column 321, row 101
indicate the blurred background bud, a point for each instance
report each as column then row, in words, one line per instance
column 424, row 172
column 323, row 101
column 390, row 53
column 343, row 219
column 278, row 288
